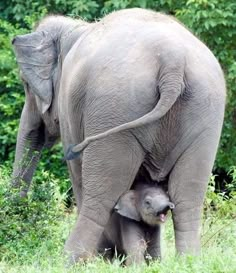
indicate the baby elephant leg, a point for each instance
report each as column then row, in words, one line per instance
column 105, row 248
column 154, row 243
column 133, row 242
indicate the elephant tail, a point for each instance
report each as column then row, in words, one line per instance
column 169, row 93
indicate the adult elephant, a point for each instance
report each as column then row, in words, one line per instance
column 150, row 94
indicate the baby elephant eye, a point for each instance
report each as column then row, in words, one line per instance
column 147, row 202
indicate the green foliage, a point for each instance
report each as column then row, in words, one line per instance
column 17, row 10
column 224, row 204
column 232, row 186
column 166, row 6
column 25, row 223
column 11, row 93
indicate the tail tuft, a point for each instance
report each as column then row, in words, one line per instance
column 70, row 155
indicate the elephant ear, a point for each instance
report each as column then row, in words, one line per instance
column 126, row 206
column 36, row 55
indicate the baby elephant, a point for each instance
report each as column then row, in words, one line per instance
column 134, row 227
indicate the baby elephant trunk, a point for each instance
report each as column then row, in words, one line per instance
column 164, row 209
column 155, row 211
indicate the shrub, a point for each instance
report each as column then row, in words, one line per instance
column 25, row 223
column 224, row 202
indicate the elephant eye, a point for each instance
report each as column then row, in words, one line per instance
column 147, row 202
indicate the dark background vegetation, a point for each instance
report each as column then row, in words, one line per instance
column 212, row 21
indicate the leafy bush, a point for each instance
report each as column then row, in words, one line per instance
column 224, row 202
column 25, row 223
column 17, row 10
column 11, row 92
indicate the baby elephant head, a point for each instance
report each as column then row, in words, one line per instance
column 147, row 204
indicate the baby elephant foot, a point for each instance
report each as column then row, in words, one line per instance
column 137, row 255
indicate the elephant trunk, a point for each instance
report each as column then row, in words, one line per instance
column 30, row 141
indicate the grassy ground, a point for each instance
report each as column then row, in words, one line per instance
column 38, row 247
column 218, row 255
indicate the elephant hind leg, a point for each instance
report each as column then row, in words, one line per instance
column 108, row 171
column 187, row 186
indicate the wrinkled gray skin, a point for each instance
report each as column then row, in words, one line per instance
column 134, row 228
column 133, row 66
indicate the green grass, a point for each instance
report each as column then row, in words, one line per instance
column 38, row 247
column 218, row 254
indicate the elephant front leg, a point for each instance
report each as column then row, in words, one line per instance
column 133, row 241
column 154, row 244
column 108, row 171
column 187, row 186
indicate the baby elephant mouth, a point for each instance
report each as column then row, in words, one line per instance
column 158, row 216
column 162, row 215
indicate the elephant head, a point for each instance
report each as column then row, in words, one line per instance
column 40, row 57
column 147, row 204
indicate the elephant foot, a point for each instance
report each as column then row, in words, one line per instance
column 76, row 253
column 83, row 241
column 73, row 258
column 135, row 260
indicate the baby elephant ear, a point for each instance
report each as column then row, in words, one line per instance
column 36, row 56
column 126, row 206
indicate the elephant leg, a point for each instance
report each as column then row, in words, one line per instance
column 187, row 186
column 106, row 248
column 108, row 171
column 133, row 241
column 154, row 244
